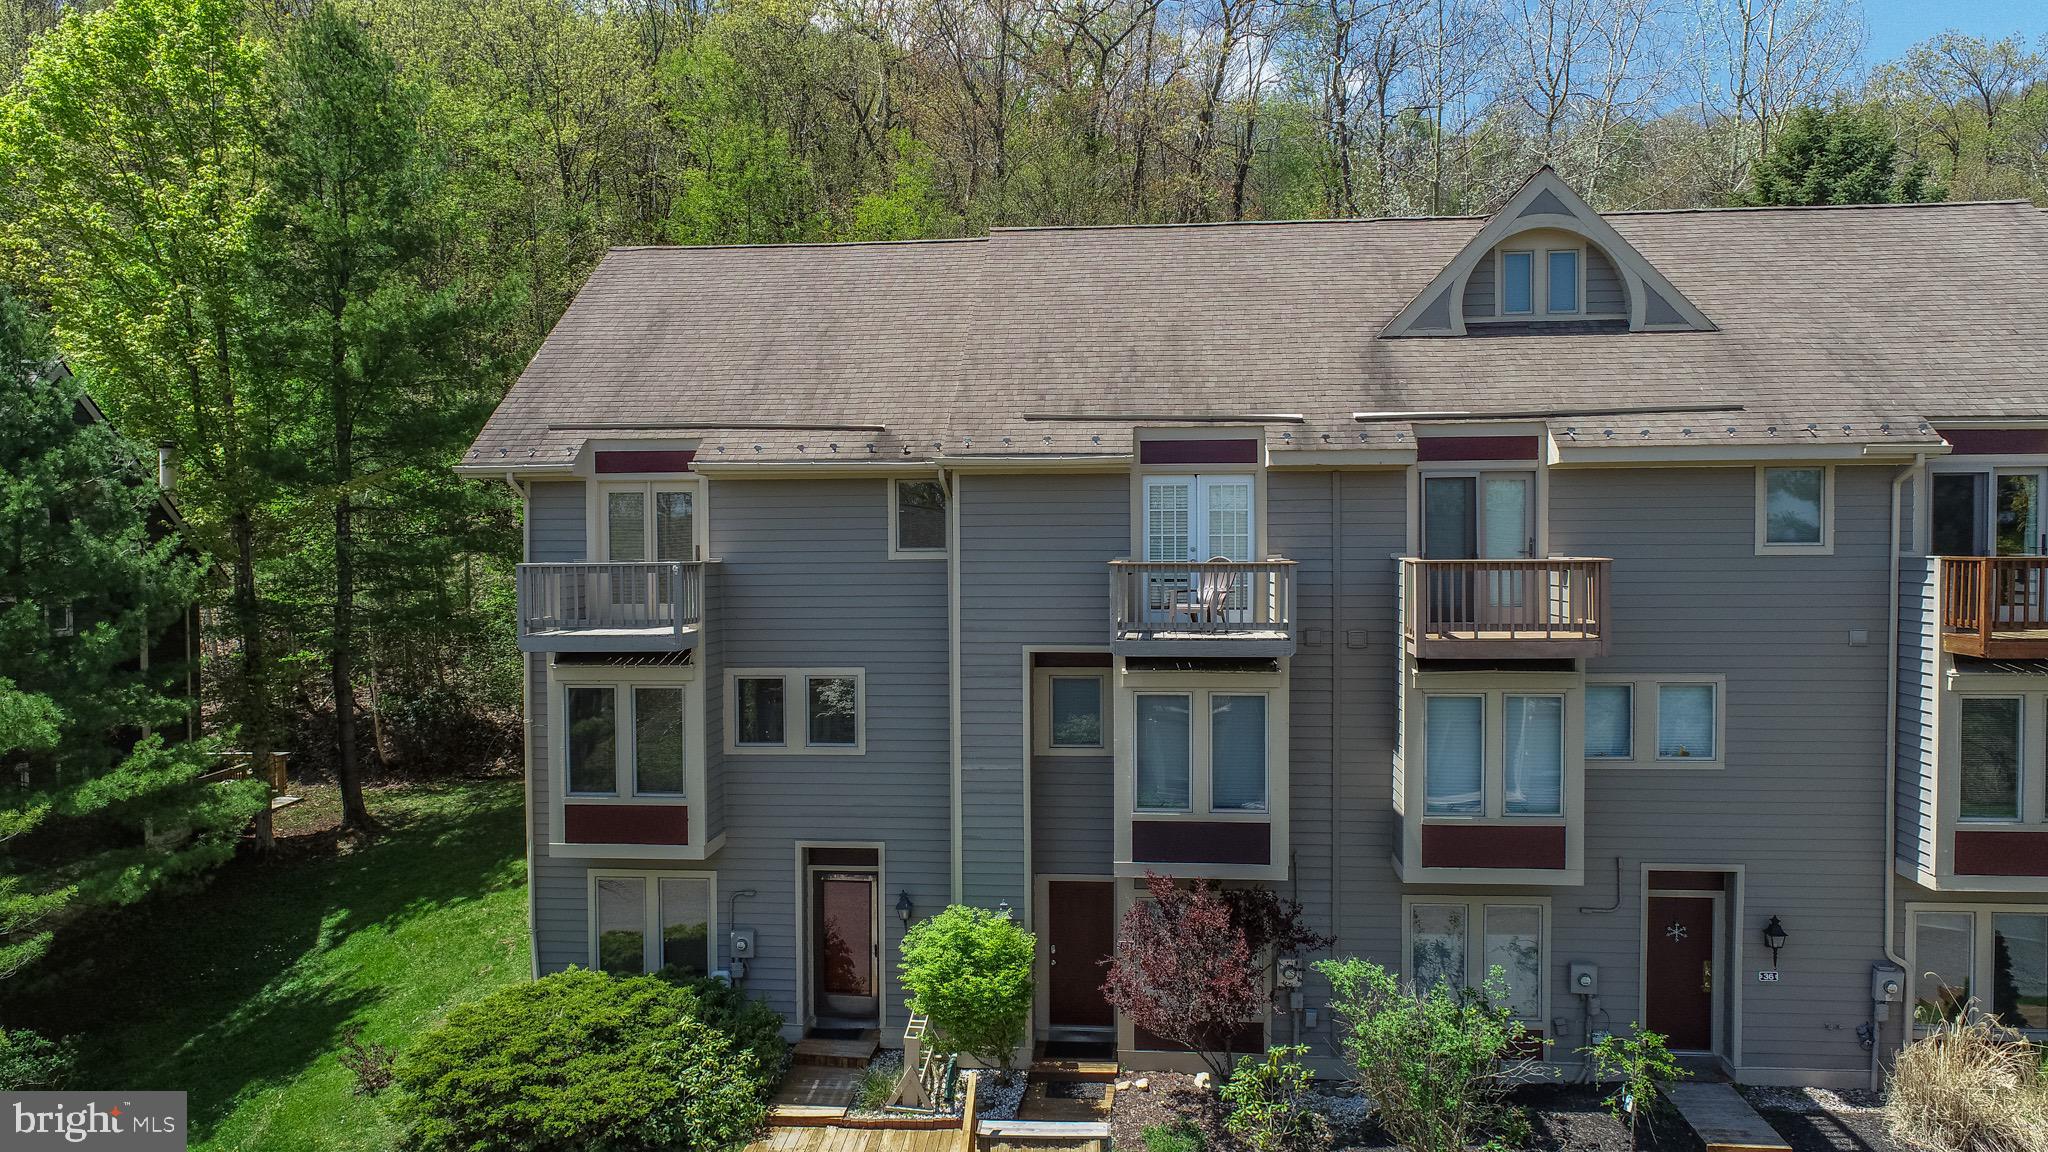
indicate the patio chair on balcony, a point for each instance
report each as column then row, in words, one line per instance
column 1207, row 598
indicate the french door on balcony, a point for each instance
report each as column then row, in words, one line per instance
column 1191, row 520
column 1478, row 516
column 1995, row 513
column 645, row 522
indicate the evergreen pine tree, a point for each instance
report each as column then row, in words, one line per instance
column 96, row 808
column 1834, row 156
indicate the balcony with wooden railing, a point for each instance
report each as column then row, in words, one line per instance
column 614, row 607
column 1209, row 608
column 1995, row 607
column 1505, row 609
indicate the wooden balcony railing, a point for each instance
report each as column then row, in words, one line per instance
column 617, row 606
column 1506, row 608
column 1995, row 606
column 1215, row 599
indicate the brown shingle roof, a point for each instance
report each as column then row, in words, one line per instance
column 1878, row 318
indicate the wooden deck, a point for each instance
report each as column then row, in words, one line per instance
column 821, row 1139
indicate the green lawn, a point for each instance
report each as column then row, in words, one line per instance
column 240, row 994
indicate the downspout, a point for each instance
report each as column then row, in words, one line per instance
column 1336, row 710
column 1891, row 748
column 525, row 736
column 951, row 485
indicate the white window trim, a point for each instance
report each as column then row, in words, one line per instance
column 1982, row 954
column 1201, row 763
column 796, row 719
column 1539, row 281
column 2024, row 747
column 596, row 538
column 1826, row 547
column 651, row 913
column 1041, row 712
column 1493, row 743
column 1643, row 724
column 622, row 681
column 896, row 552
column 1475, row 946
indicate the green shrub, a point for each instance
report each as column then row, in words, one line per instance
column 1181, row 1137
column 968, row 971
column 750, row 1024
column 579, row 1061
column 32, row 1062
column 1434, row 1064
column 1269, row 1103
column 1636, row 1064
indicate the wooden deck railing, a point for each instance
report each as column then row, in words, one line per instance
column 1559, row 599
column 557, row 599
column 1215, row 597
column 1982, row 596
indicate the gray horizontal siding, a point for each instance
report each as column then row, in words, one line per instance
column 1917, row 755
column 1604, row 291
column 1479, row 288
column 554, row 519
column 1073, row 815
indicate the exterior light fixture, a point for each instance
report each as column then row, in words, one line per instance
column 1774, row 939
column 904, row 907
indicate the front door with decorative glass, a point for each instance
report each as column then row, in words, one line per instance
column 1190, row 520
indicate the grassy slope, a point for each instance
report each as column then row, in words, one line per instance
column 240, row 994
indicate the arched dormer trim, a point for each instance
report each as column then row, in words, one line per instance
column 1544, row 202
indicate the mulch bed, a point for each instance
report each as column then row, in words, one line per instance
column 1563, row 1118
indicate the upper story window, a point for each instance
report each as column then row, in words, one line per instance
column 917, row 519
column 1189, row 519
column 1201, row 752
column 1528, row 777
column 1545, row 281
column 1070, row 714
column 1991, row 758
column 1795, row 510
column 626, row 739
column 1988, row 512
column 1679, row 719
column 648, row 520
column 815, row 710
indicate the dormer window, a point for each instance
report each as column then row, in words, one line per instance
column 1556, row 291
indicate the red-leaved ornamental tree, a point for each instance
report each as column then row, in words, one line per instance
column 1190, row 965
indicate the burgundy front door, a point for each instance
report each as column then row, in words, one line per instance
column 1679, row 1001
column 1081, row 916
column 843, row 932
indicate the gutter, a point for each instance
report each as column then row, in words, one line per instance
column 525, row 739
column 951, row 485
column 1891, row 744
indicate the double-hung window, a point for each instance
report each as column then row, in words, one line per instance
column 643, row 922
column 917, row 520
column 1470, row 943
column 1071, row 712
column 1654, row 721
column 626, row 739
column 1989, row 959
column 1463, row 775
column 1201, row 751
column 807, row 710
column 1990, row 757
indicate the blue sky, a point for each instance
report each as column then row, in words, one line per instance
column 1896, row 25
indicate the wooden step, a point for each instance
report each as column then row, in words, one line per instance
column 1043, row 1130
column 1723, row 1120
column 1092, row 1071
column 838, row 1053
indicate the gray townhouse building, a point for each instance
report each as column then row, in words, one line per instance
column 1652, row 605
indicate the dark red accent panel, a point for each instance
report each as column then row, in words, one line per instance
column 843, row 857
column 1201, row 842
column 1492, row 846
column 657, row 461
column 1688, row 881
column 1995, row 441
column 625, row 823
column 2001, row 853
column 1070, row 660
column 1240, row 451
column 1475, row 448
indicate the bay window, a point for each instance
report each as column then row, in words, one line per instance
column 644, row 922
column 1990, row 758
column 625, row 739
column 1464, row 775
column 1533, row 761
column 1201, row 751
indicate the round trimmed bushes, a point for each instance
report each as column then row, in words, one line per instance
column 580, row 1062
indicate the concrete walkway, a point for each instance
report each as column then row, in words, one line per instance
column 1723, row 1119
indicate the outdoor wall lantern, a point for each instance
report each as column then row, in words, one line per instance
column 904, row 907
column 1774, row 939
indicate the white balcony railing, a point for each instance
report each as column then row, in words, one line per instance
column 633, row 606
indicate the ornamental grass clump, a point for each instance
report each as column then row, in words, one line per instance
column 1970, row 1086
